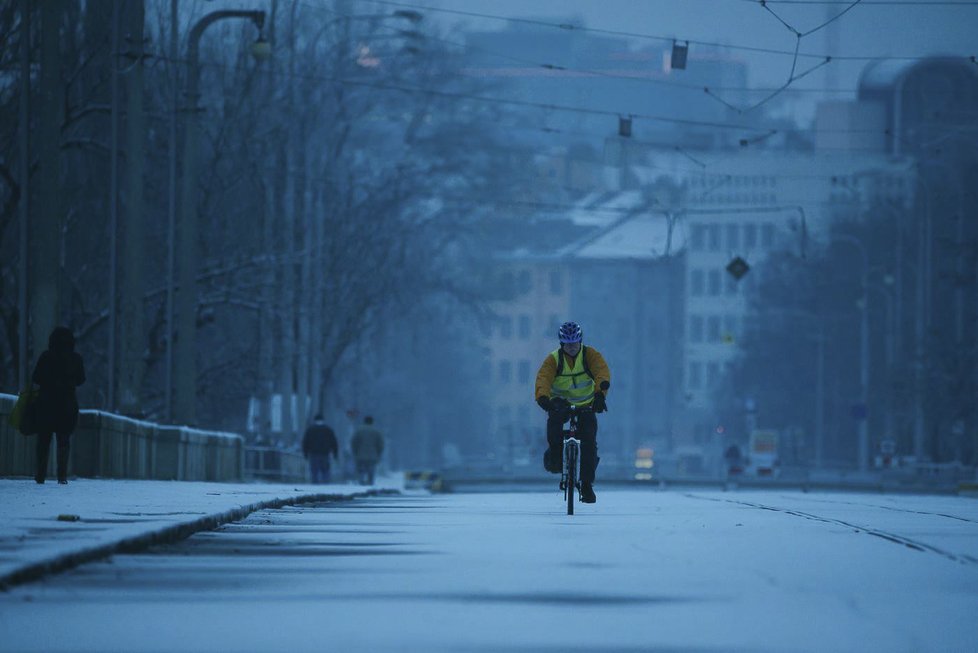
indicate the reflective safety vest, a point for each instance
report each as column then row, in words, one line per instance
column 576, row 384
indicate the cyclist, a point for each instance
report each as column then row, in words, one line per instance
column 573, row 375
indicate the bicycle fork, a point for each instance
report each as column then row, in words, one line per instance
column 572, row 464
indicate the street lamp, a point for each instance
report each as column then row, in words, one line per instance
column 863, row 351
column 185, row 349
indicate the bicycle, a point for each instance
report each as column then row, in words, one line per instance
column 570, row 476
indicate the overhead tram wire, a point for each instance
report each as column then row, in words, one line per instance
column 500, row 101
column 792, row 76
column 652, row 37
column 589, row 71
column 600, row 73
column 762, row 130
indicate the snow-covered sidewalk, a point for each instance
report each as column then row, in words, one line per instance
column 50, row 527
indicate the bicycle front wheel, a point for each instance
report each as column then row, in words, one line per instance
column 571, row 480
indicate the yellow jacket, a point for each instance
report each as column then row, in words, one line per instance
column 595, row 363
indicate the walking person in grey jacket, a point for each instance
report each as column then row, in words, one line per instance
column 367, row 446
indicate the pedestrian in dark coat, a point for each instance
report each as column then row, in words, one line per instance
column 58, row 372
column 318, row 444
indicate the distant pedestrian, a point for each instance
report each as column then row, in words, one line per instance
column 58, row 372
column 367, row 446
column 734, row 459
column 318, row 444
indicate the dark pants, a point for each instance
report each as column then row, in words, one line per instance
column 365, row 471
column 319, row 468
column 587, row 433
column 44, row 448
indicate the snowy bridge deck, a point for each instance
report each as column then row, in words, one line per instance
column 680, row 570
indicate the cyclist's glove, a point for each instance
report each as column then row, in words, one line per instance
column 544, row 402
column 559, row 405
column 599, row 405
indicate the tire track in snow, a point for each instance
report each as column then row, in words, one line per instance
column 891, row 537
column 894, row 509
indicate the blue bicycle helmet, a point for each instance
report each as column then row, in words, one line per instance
column 570, row 332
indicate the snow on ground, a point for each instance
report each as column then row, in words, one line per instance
column 648, row 570
column 112, row 510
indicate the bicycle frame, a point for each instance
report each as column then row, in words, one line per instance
column 570, row 477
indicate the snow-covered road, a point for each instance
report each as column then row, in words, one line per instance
column 640, row 571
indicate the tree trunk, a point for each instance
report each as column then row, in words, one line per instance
column 305, row 285
column 316, row 303
column 131, row 302
column 45, row 231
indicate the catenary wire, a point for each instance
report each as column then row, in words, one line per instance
column 651, row 37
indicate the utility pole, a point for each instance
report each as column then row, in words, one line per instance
column 23, row 358
column 820, row 400
column 863, row 412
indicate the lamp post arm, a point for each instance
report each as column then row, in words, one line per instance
column 193, row 42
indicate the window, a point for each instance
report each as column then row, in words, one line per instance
column 695, row 375
column 733, row 237
column 729, row 284
column 556, row 282
column 750, row 236
column 524, row 282
column 714, row 237
column 696, row 286
column 698, row 238
column 767, row 236
column 696, row 328
column 552, row 325
column 506, row 327
column 524, row 327
column 730, row 325
column 503, row 417
column 523, row 371
column 712, row 373
column 713, row 328
column 714, row 282
column 505, row 371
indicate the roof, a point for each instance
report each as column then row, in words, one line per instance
column 640, row 236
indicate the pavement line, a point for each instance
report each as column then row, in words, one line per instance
column 169, row 534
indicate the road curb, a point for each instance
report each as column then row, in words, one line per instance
column 169, row 534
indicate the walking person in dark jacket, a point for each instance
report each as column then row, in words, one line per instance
column 58, row 372
column 318, row 444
